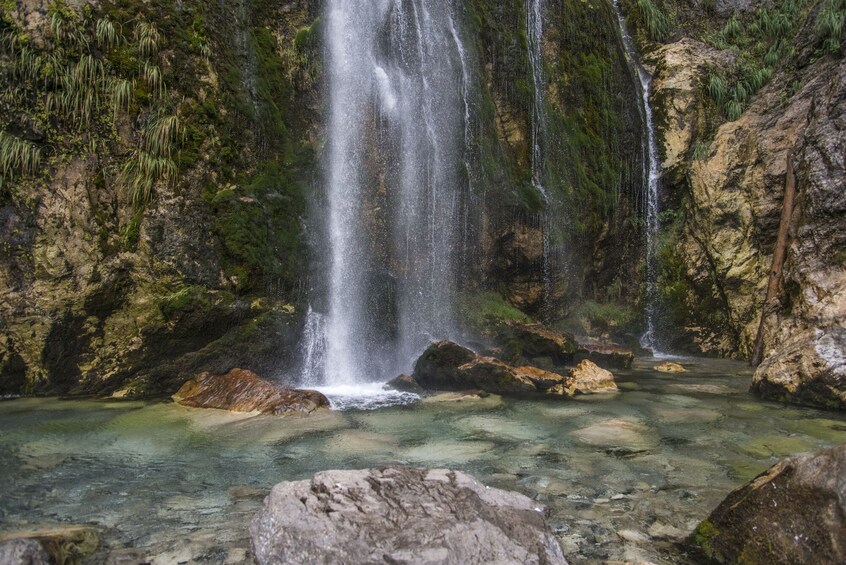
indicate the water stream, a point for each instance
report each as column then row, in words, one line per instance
column 395, row 183
column 651, row 339
column 167, row 484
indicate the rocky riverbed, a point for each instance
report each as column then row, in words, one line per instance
column 624, row 476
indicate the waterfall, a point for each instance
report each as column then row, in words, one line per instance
column 396, row 131
column 652, row 178
column 534, row 37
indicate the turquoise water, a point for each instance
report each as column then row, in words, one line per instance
column 622, row 474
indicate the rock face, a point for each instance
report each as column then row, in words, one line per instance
column 793, row 513
column 241, row 390
column 400, row 515
column 56, row 544
column 810, row 368
column 606, row 354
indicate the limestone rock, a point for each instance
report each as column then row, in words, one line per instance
column 23, row 552
column 492, row 375
column 604, row 354
column 795, row 512
column 808, row 369
column 241, row 390
column 61, row 545
column 585, row 378
column 400, row 515
column 669, row 367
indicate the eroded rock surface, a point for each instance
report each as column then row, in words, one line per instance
column 793, row 513
column 241, row 390
column 400, row 515
column 585, row 378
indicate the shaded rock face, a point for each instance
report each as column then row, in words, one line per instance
column 241, row 390
column 605, row 354
column 809, row 368
column 400, row 515
column 793, row 513
column 439, row 364
column 65, row 544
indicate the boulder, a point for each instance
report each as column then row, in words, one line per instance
column 241, row 390
column 403, row 383
column 669, row 367
column 605, row 354
column 795, row 512
column 438, row 366
column 810, row 368
column 519, row 341
column 400, row 515
column 585, row 378
column 61, row 545
column 23, row 552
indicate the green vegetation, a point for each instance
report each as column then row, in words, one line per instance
column 654, row 19
column 484, row 311
column 17, row 157
column 591, row 316
column 829, row 24
column 763, row 40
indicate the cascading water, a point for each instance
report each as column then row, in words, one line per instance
column 652, row 176
column 395, row 187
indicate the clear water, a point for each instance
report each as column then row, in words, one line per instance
column 166, row 484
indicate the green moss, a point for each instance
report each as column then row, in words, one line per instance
column 590, row 316
column 703, row 535
column 187, row 299
column 482, row 312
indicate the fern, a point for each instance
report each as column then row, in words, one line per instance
column 147, row 39
column 108, row 35
column 17, row 157
column 716, row 88
column 829, row 24
column 656, row 21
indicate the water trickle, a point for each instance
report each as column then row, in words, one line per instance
column 534, row 35
column 652, row 177
column 395, row 184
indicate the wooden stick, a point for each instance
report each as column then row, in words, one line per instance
column 779, row 255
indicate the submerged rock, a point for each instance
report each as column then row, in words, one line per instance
column 241, row 390
column 795, row 512
column 585, row 378
column 400, row 515
column 669, row 367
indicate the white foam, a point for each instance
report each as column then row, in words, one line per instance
column 365, row 396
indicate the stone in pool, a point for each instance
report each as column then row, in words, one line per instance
column 795, row 512
column 670, row 367
column 585, row 378
column 400, row 515
column 241, row 390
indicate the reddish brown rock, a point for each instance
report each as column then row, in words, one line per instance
column 492, row 375
column 520, row 341
column 605, row 354
column 241, row 390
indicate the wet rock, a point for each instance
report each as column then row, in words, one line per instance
column 404, row 383
column 241, row 390
column 669, row 367
column 492, row 375
column 585, row 378
column 808, row 369
column 795, row 512
column 520, row 341
column 605, row 354
column 438, row 366
column 400, row 515
column 61, row 544
column 23, row 552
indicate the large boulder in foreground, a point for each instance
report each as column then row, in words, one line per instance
column 793, row 513
column 400, row 515
column 241, row 390
column 810, row 369
column 62, row 544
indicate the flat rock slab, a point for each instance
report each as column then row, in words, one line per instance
column 400, row 515
column 241, row 390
